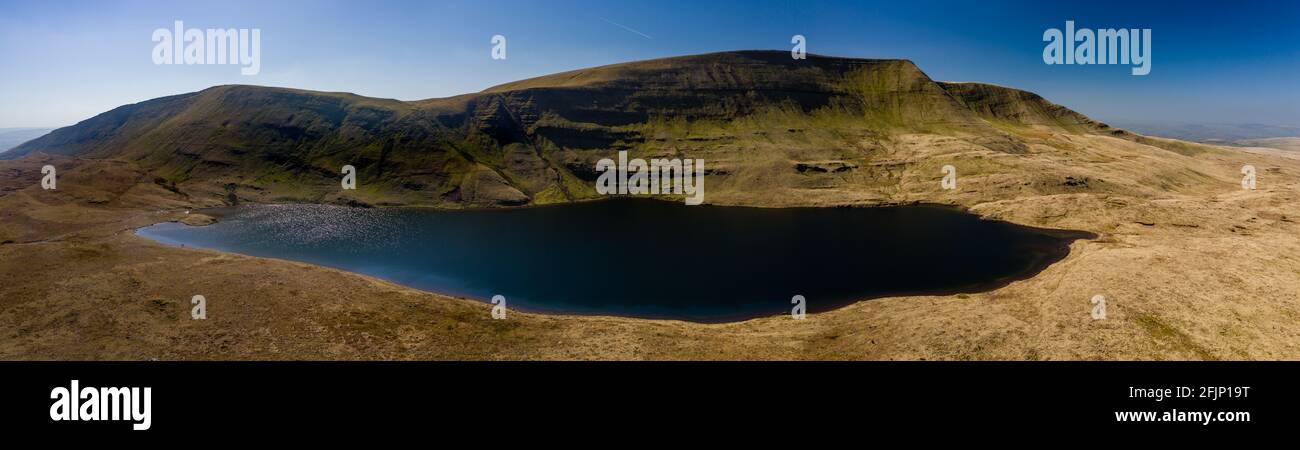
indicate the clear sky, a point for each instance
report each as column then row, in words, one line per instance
column 1228, row 62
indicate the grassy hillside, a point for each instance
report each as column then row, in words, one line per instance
column 767, row 125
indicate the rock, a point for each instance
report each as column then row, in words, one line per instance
column 198, row 220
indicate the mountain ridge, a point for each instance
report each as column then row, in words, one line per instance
column 535, row 141
column 1172, row 218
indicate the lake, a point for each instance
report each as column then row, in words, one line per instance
column 646, row 258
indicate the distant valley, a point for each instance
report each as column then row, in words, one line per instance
column 1280, row 143
column 1211, row 132
column 12, row 137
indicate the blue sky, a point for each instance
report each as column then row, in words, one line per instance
column 65, row 61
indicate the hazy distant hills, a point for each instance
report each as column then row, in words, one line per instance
column 1242, row 135
column 1280, row 143
column 12, row 137
column 1209, row 132
column 758, row 117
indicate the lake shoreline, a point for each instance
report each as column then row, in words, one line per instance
column 1046, row 258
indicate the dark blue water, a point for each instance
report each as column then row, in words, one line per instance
column 646, row 258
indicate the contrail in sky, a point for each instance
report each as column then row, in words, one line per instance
column 611, row 22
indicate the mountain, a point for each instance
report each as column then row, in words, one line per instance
column 12, row 137
column 824, row 129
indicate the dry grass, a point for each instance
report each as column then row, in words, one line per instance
column 1192, row 267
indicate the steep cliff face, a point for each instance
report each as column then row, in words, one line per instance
column 758, row 117
column 994, row 102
